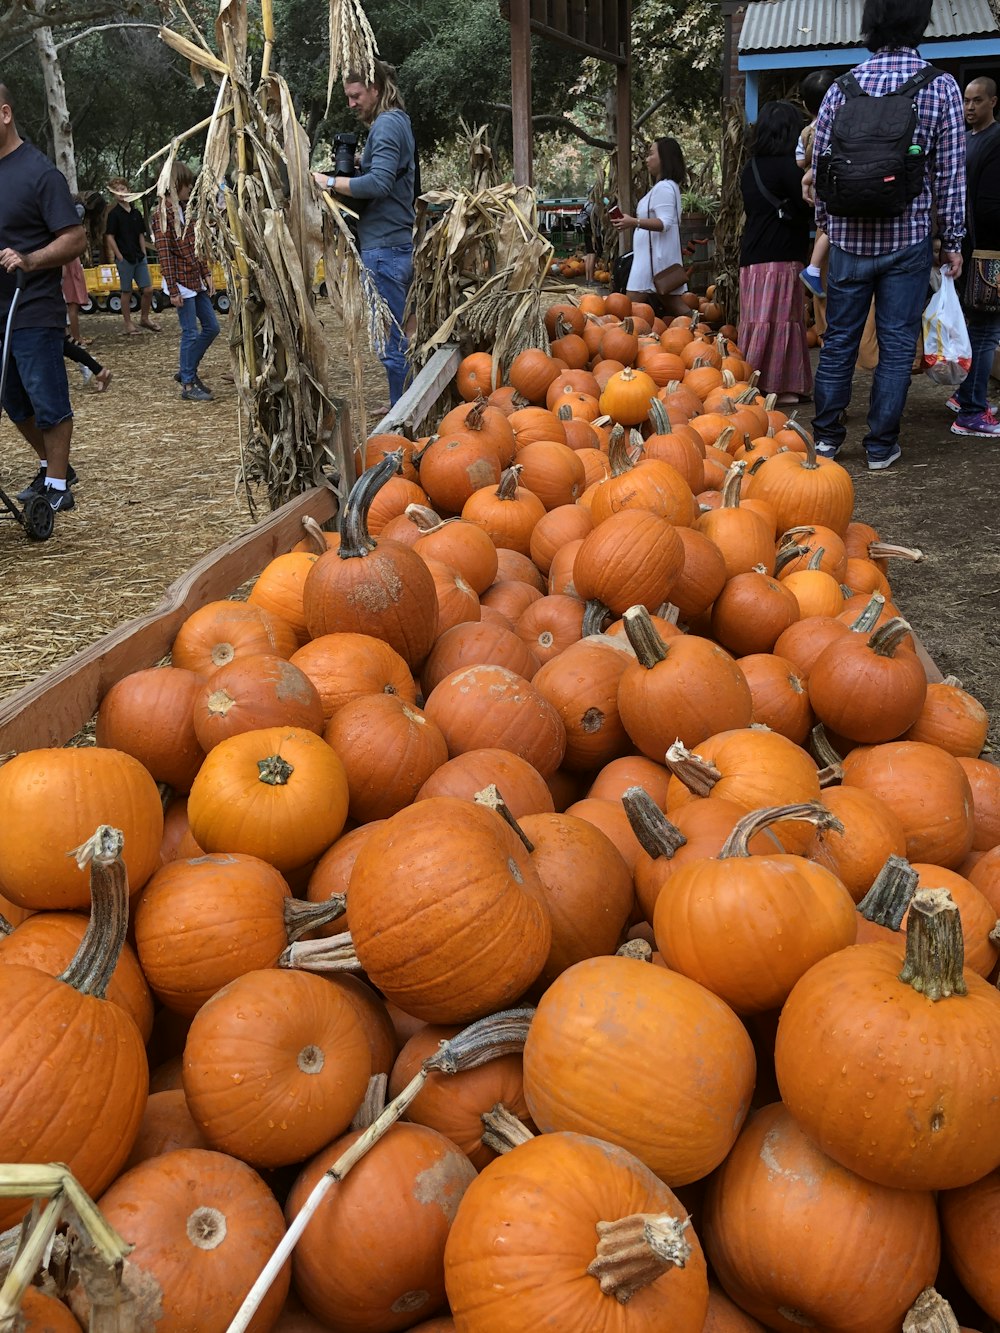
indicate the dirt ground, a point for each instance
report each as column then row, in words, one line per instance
column 159, row 488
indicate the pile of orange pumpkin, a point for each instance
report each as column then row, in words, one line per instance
column 598, row 710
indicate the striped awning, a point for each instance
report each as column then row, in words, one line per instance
column 788, row 25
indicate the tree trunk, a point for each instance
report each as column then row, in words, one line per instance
column 55, row 95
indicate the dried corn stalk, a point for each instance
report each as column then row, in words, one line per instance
column 92, row 1253
column 729, row 227
column 479, row 266
column 259, row 213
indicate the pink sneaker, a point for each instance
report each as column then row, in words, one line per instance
column 985, row 425
column 953, row 405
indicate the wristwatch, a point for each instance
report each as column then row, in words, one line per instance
column 331, row 182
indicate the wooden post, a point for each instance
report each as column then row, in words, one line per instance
column 520, row 89
column 623, row 134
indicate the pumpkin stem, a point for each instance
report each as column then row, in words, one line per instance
column 95, row 960
column 786, row 554
column 811, row 812
column 889, row 636
column 618, row 452
column 274, row 770
column 697, row 774
column 883, row 550
column 935, row 950
column 822, row 750
column 636, row 1250
column 930, row 1313
column 425, row 518
column 649, row 647
column 301, row 917
column 658, row 417
column 869, row 614
column 5, row 927
column 670, row 613
column 507, row 490
column 596, row 618
column 489, row 1038
column 503, row 1130
column 657, row 836
column 373, row 1103
column 491, row 798
column 641, row 951
column 809, row 463
column 335, row 954
column 771, row 402
column 724, row 438
column 355, row 540
column 731, row 486
column 816, row 559
column 887, row 901
column 315, row 534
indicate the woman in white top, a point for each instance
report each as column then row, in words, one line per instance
column 657, row 224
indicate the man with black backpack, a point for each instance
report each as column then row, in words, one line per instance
column 889, row 168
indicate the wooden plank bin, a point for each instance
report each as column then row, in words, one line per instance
column 54, row 708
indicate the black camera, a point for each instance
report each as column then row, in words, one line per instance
column 344, row 148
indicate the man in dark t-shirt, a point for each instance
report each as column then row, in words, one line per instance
column 39, row 233
column 125, row 231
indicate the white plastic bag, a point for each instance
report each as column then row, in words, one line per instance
column 947, row 350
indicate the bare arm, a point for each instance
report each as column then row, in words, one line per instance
column 70, row 243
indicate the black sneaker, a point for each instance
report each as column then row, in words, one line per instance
column 37, row 484
column 197, row 379
column 59, row 501
column 196, row 393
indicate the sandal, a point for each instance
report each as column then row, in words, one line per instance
column 102, row 380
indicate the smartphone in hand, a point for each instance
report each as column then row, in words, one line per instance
column 614, row 213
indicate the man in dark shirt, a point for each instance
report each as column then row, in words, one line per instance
column 125, row 231
column 39, row 233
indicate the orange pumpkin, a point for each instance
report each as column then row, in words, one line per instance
column 389, row 748
column 345, row 666
column 605, row 1012
column 280, row 794
column 278, row 589
column 522, row 787
column 149, row 715
column 531, row 1227
column 489, row 706
column 254, row 692
column 507, row 515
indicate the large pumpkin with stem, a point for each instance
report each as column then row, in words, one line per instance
column 748, row 927
column 864, row 1048
column 685, row 687
column 447, row 912
column 869, row 690
column 686, row 1052
column 280, row 794
column 346, row 666
column 569, row 1233
column 508, row 514
column 276, row 1090
column 203, row 1225
column 379, row 588
column 77, row 1078
column 771, row 1211
column 805, row 489
column 202, row 923
column 51, row 801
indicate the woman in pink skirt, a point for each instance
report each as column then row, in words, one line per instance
column 775, row 244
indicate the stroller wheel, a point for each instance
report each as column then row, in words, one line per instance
column 39, row 519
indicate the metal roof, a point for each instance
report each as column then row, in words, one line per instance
column 786, row 25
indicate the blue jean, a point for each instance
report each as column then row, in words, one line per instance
column 195, row 342
column 898, row 283
column 36, row 384
column 391, row 268
column 984, row 334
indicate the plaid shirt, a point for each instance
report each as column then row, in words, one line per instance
column 940, row 130
column 176, row 254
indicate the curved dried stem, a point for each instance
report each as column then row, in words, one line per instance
column 810, row 812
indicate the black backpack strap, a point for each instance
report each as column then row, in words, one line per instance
column 850, row 87
column 916, row 81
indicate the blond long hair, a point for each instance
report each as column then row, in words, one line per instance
column 389, row 96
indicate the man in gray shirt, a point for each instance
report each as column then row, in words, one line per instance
column 384, row 189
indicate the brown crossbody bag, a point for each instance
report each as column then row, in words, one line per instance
column 670, row 278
